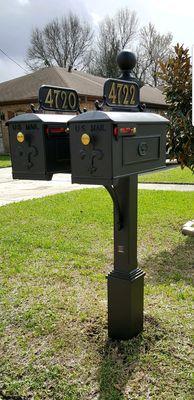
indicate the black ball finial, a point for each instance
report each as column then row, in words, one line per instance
column 126, row 60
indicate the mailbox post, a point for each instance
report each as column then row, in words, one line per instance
column 126, row 281
column 111, row 148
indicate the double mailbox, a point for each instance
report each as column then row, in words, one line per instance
column 96, row 147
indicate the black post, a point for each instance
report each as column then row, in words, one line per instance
column 126, row 282
column 125, row 239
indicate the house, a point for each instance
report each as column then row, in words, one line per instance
column 18, row 94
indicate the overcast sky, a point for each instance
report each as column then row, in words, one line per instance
column 18, row 17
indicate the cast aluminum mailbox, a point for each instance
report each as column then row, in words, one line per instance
column 106, row 146
column 39, row 145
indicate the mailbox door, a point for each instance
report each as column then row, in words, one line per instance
column 92, row 162
column 57, row 148
column 28, row 156
column 142, row 152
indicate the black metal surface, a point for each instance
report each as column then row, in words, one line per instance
column 125, row 283
column 126, row 60
column 117, row 209
column 125, row 239
column 125, row 305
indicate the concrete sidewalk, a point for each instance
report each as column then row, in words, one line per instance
column 167, row 186
column 17, row 190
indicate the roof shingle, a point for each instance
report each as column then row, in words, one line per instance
column 27, row 86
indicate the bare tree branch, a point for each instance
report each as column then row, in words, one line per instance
column 61, row 42
column 114, row 34
column 152, row 49
column 126, row 24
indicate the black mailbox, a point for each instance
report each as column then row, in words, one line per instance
column 39, row 145
column 106, row 146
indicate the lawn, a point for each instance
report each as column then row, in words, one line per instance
column 173, row 175
column 5, row 161
column 55, row 253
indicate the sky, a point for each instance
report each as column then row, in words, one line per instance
column 19, row 17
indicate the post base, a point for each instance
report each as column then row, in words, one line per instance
column 125, row 304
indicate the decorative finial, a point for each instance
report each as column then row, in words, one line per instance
column 126, row 61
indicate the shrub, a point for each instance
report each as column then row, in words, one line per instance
column 177, row 76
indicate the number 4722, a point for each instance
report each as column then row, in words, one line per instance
column 123, row 94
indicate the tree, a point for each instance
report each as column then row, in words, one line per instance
column 107, row 49
column 61, row 42
column 152, row 49
column 177, row 77
column 114, row 35
column 126, row 24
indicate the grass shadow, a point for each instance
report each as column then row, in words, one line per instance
column 170, row 266
column 120, row 360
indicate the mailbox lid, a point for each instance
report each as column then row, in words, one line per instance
column 121, row 117
column 41, row 117
column 136, row 117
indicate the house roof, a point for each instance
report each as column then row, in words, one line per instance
column 152, row 95
column 27, row 86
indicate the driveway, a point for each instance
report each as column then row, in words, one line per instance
column 13, row 190
column 18, row 190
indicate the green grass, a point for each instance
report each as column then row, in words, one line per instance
column 55, row 253
column 5, row 161
column 174, row 175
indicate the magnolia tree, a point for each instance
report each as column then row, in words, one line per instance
column 177, row 77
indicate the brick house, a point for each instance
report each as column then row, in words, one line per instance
column 17, row 94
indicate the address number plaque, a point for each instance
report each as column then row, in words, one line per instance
column 54, row 98
column 121, row 93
